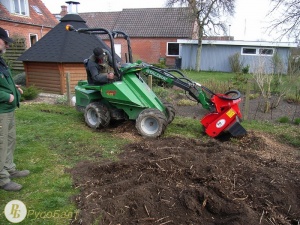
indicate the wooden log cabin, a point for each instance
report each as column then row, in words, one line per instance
column 48, row 61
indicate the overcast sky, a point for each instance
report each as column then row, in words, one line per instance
column 249, row 22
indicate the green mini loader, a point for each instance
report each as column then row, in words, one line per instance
column 130, row 98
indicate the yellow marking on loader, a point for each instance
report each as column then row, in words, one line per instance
column 230, row 113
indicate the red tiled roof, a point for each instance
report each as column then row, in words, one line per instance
column 106, row 20
column 46, row 18
column 145, row 22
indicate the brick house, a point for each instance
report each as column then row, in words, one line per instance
column 26, row 21
column 153, row 31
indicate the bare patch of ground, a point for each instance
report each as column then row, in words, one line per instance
column 254, row 180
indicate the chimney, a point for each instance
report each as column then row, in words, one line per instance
column 71, row 5
column 64, row 10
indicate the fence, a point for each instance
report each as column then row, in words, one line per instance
column 12, row 53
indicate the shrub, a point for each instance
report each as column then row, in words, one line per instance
column 297, row 121
column 20, row 79
column 292, row 98
column 30, row 93
column 254, row 96
column 283, row 119
column 240, row 81
column 218, row 86
column 156, row 81
column 160, row 65
column 245, row 69
column 61, row 100
column 161, row 92
column 235, row 64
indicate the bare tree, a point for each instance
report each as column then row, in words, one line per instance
column 286, row 14
column 207, row 14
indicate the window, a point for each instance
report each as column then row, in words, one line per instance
column 266, row 51
column 36, row 9
column 33, row 39
column 249, row 51
column 118, row 49
column 20, row 7
column 172, row 49
column 257, row 51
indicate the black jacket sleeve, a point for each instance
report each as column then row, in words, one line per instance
column 95, row 72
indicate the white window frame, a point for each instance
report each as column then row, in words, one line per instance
column 257, row 51
column 20, row 3
column 168, row 49
column 33, row 35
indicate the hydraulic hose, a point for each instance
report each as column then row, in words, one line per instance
column 238, row 94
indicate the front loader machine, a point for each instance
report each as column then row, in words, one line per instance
column 130, row 98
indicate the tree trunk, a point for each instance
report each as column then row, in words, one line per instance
column 267, row 106
column 199, row 49
column 198, row 58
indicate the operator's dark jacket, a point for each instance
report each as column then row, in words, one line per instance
column 7, row 87
column 97, row 74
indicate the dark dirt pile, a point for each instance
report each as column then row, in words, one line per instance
column 253, row 180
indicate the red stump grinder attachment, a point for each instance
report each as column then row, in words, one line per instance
column 226, row 117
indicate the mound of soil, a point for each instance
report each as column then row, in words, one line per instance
column 252, row 180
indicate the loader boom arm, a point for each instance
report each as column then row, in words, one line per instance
column 192, row 88
column 224, row 113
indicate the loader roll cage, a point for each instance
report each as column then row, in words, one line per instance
column 111, row 35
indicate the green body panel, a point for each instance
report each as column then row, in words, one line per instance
column 131, row 94
column 85, row 95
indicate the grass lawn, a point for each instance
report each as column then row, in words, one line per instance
column 50, row 139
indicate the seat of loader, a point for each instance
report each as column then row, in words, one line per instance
column 92, row 87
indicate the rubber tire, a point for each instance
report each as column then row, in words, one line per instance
column 170, row 112
column 151, row 123
column 96, row 115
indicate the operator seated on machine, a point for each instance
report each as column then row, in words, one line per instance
column 98, row 67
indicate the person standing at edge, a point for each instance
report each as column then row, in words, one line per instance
column 9, row 100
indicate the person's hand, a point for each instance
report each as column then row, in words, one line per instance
column 11, row 98
column 19, row 89
column 110, row 76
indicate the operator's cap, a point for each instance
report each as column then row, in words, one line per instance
column 99, row 53
column 4, row 36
